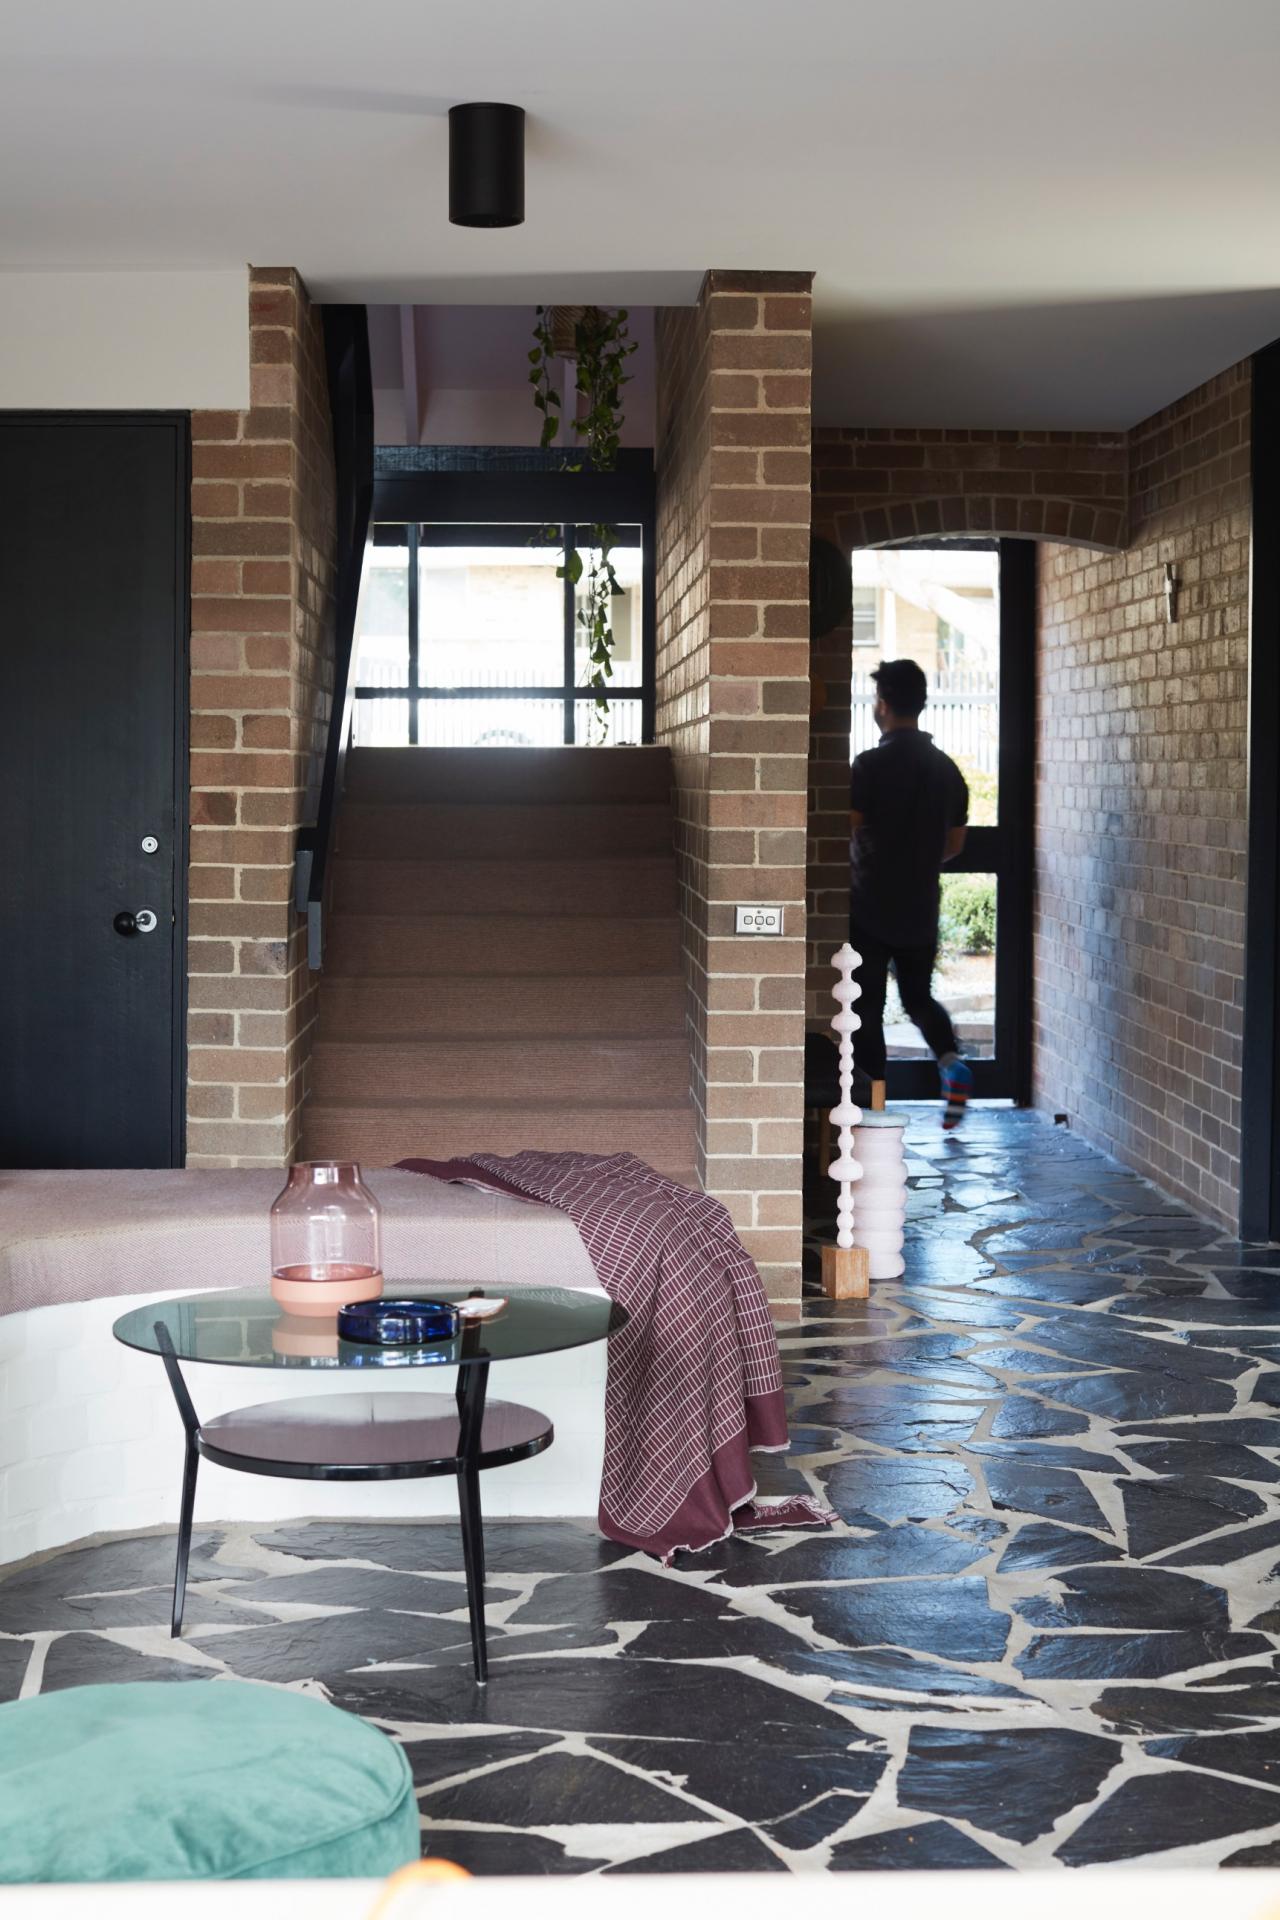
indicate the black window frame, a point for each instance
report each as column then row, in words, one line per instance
column 487, row 496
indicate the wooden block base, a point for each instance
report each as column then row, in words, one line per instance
column 846, row 1273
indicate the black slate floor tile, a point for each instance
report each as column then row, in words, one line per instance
column 1167, row 1710
column 1160, row 1514
column 1133, row 1656
column 362, row 1587
column 1253, row 1756
column 1043, row 1544
column 334, row 1644
column 910, row 1850
column 813, row 1824
column 1018, row 1486
column 1017, row 1784
column 626, row 1594
column 951, row 1617
column 558, row 1790
column 14, row 1657
column 435, row 1546
column 872, row 1488
column 759, row 1779
column 738, row 1851
column 435, row 1760
column 1160, row 1811
column 1111, row 1596
column 90, row 1660
column 1222, row 1460
column 899, row 1550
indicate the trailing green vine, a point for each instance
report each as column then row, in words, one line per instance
column 601, row 348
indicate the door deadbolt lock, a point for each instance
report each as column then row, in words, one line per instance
column 143, row 921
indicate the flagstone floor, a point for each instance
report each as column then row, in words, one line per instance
column 1046, row 1631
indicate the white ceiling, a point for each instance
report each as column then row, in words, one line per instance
column 1059, row 215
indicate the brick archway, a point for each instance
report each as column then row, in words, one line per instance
column 1056, row 517
column 876, row 485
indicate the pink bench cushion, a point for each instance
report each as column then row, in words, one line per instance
column 85, row 1235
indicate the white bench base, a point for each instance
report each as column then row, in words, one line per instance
column 93, row 1443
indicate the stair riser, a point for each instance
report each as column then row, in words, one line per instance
column 380, row 1139
column 501, row 833
column 359, row 1009
column 462, row 944
column 512, row 1070
column 527, row 776
column 506, row 886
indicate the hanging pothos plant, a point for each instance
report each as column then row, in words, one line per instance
column 597, row 341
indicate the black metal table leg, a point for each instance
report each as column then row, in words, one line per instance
column 191, row 1426
column 472, row 1386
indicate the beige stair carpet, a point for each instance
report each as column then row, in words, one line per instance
column 502, row 959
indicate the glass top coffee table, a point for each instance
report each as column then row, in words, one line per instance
column 380, row 1435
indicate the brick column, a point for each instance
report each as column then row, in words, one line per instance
column 263, row 532
column 733, row 701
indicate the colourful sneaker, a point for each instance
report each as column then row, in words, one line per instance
column 957, row 1085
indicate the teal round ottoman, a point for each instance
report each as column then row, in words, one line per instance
column 207, row 1780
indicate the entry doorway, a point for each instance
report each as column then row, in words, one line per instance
column 964, row 610
column 93, row 779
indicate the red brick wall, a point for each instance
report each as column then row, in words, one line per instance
column 733, row 455
column 1141, row 811
column 263, row 529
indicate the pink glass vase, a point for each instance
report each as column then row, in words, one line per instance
column 326, row 1242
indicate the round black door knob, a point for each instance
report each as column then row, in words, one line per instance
column 125, row 923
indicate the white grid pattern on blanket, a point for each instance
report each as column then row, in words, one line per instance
column 698, row 1342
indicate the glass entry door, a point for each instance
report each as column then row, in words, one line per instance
column 467, row 637
column 965, row 612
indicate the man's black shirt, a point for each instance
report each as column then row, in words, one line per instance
column 910, row 794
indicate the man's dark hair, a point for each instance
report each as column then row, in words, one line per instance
column 902, row 686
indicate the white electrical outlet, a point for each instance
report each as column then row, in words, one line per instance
column 758, row 920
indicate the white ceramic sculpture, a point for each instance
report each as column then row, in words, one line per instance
column 844, row 1169
column 882, row 1194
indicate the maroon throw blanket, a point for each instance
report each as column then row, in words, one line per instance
column 694, row 1382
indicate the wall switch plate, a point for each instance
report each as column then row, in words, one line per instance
column 757, row 920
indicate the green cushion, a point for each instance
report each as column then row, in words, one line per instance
column 213, row 1781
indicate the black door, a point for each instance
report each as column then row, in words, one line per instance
column 965, row 609
column 94, row 539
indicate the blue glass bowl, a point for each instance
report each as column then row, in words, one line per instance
column 398, row 1323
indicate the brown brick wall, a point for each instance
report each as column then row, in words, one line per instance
column 1141, row 811
column 261, row 669
column 733, row 459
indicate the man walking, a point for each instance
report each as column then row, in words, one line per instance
column 908, row 808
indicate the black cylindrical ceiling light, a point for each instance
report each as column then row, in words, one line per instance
column 486, row 164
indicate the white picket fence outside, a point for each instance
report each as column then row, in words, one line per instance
column 963, row 715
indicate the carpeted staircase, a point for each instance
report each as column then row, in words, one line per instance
column 502, row 961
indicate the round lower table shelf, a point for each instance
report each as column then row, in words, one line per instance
column 367, row 1436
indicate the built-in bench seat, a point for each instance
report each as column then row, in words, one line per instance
column 89, row 1438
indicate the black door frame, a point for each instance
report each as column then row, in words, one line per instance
column 180, row 426
column 1007, row 850
column 1260, row 1077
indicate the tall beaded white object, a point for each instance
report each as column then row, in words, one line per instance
column 844, row 1169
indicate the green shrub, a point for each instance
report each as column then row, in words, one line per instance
column 967, row 923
